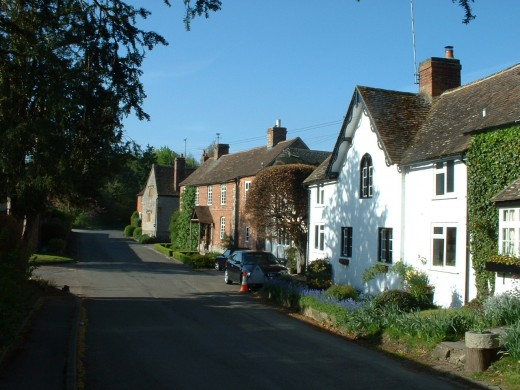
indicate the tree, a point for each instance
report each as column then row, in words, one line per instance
column 277, row 204
column 69, row 73
column 165, row 156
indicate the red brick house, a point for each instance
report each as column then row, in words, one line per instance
column 223, row 181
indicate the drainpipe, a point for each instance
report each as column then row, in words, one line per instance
column 403, row 212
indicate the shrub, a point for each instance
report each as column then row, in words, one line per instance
column 399, row 298
column 284, row 291
column 57, row 245
column 138, row 232
column 342, row 292
column 202, row 261
column 54, row 228
column 503, row 309
column 129, row 231
column 319, row 274
column 164, row 248
column 145, row 239
column 512, row 340
column 135, row 221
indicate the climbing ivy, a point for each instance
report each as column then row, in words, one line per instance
column 184, row 234
column 493, row 164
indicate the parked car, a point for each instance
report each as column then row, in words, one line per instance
column 259, row 266
column 220, row 260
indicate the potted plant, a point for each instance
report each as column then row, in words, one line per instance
column 504, row 263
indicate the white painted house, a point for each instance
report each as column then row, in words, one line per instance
column 395, row 187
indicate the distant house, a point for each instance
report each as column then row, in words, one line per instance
column 508, row 205
column 395, row 187
column 160, row 198
column 223, row 181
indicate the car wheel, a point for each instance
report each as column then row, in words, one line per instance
column 226, row 278
column 217, row 266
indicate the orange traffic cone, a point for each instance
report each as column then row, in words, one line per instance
column 243, row 286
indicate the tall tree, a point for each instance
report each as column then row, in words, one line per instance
column 277, row 204
column 165, row 156
column 69, row 73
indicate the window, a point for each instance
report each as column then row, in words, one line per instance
column 444, row 177
column 509, row 233
column 346, row 241
column 197, row 192
column 223, row 190
column 247, row 234
column 385, row 245
column 444, row 245
column 319, row 237
column 247, row 186
column 222, row 227
column 210, row 195
column 366, row 174
column 320, row 194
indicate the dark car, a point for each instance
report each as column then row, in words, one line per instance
column 220, row 260
column 258, row 267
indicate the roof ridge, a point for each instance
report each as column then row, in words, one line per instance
column 476, row 82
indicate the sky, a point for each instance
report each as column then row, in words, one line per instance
column 256, row 61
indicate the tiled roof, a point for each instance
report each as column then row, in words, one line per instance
column 320, row 173
column 397, row 117
column 164, row 180
column 510, row 193
column 242, row 164
column 301, row 156
column 485, row 104
column 202, row 214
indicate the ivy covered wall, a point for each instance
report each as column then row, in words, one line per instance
column 183, row 234
column 493, row 163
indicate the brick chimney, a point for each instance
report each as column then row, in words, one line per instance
column 276, row 134
column 437, row 75
column 220, row 150
column 204, row 157
column 179, row 171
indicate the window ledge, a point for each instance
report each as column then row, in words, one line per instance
column 444, row 270
column 445, row 197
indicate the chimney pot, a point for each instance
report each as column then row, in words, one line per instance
column 448, row 51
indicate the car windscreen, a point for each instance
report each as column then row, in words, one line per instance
column 259, row 258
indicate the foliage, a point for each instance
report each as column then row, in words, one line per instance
column 13, row 254
column 166, row 249
column 46, row 259
column 291, row 254
column 284, row 291
column 342, row 292
column 503, row 309
column 399, row 298
column 129, row 231
column 227, row 241
column 373, row 271
column 277, row 203
column 165, row 156
column 431, row 327
column 512, row 340
column 56, row 245
column 135, row 220
column 138, row 232
column 492, row 165
column 145, row 239
column 415, row 282
column 319, row 274
column 195, row 259
column 182, row 234
column 505, row 259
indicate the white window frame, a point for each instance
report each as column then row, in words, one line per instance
column 509, row 231
column 222, row 227
column 197, row 194
column 247, row 187
column 223, row 194
column 444, row 178
column 441, row 239
column 319, row 237
column 210, row 195
column 366, row 177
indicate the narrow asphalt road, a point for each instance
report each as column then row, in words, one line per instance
column 155, row 324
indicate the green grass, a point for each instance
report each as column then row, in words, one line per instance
column 40, row 259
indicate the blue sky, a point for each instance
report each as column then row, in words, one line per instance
column 257, row 61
